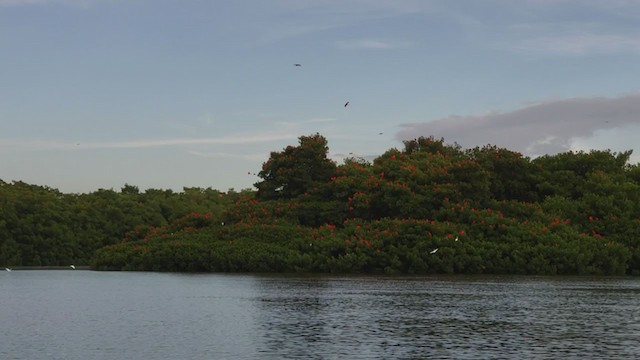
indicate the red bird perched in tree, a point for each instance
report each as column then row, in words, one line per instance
column 346, row 104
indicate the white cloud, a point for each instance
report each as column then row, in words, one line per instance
column 148, row 143
column 252, row 157
column 548, row 127
column 373, row 44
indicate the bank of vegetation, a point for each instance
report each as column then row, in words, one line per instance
column 430, row 207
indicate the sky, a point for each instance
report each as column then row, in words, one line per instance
column 167, row 94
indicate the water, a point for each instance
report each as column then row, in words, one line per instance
column 120, row 315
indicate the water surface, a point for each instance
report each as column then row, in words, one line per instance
column 126, row 315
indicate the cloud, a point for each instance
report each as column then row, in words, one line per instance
column 544, row 128
column 583, row 44
column 21, row 2
column 7, row 3
column 366, row 7
column 253, row 157
column 373, row 44
column 340, row 157
column 307, row 17
column 149, row 143
column 295, row 124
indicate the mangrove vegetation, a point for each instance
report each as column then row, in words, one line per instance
column 430, row 207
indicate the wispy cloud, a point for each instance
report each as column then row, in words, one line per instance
column 148, row 143
column 226, row 155
column 367, row 7
column 294, row 124
column 582, row 44
column 21, row 2
column 340, row 157
column 7, row 3
column 548, row 127
column 306, row 17
column 373, row 44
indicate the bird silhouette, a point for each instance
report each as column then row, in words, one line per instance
column 297, row 64
column 346, row 104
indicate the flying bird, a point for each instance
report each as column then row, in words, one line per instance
column 297, row 64
column 72, row 266
column 456, row 238
column 379, row 133
column 433, row 251
column 8, row 269
column 346, row 104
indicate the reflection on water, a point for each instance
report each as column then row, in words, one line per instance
column 96, row 315
column 453, row 317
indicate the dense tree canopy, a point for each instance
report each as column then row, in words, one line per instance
column 295, row 170
column 428, row 208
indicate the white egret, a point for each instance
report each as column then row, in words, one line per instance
column 433, row 251
column 72, row 266
column 8, row 269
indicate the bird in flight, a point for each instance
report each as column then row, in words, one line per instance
column 379, row 133
column 7, row 269
column 297, row 64
column 433, row 251
column 72, row 266
column 346, row 104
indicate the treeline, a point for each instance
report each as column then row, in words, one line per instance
column 40, row 226
column 431, row 207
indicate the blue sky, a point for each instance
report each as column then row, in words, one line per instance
column 171, row 94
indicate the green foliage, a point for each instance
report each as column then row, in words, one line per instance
column 429, row 208
column 295, row 170
column 40, row 226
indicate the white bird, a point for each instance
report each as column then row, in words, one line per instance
column 433, row 251
column 7, row 269
column 72, row 266
column 456, row 238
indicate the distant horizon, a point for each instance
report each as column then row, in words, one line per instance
column 340, row 156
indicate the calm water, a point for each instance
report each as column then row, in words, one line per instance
column 119, row 315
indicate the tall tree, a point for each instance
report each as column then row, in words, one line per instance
column 296, row 169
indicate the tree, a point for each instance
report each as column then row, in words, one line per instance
column 511, row 175
column 296, row 170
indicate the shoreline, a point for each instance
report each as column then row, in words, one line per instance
column 49, row 268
